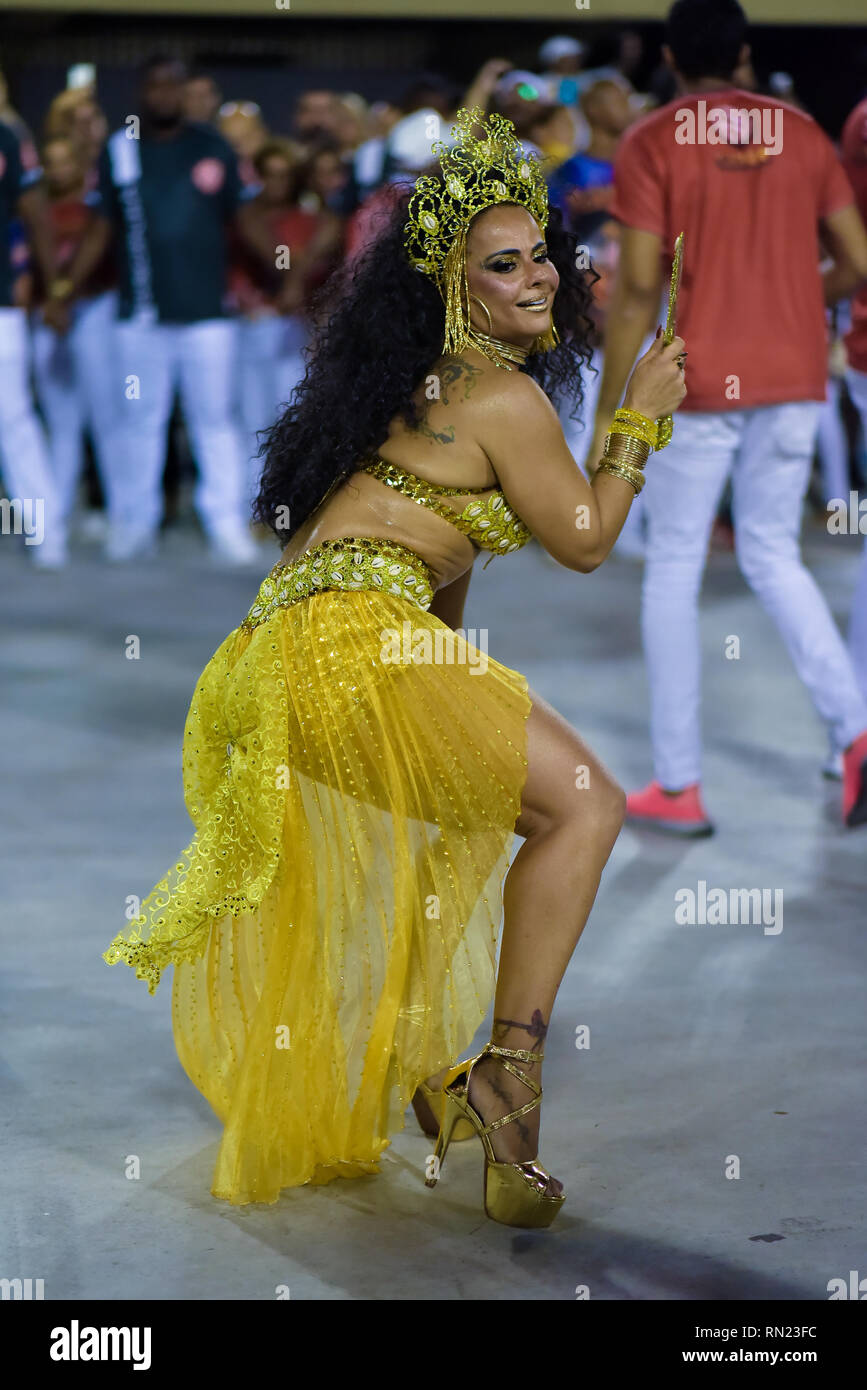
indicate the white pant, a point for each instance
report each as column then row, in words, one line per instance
column 200, row 360
column 857, row 384
column 270, row 367
column 767, row 451
column 26, row 465
column 833, row 445
column 73, row 375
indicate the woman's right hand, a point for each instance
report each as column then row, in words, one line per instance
column 656, row 387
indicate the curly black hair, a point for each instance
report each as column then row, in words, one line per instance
column 379, row 327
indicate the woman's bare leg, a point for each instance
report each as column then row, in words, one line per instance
column 571, row 814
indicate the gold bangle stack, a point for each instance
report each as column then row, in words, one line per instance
column 629, row 422
column 627, row 447
column 625, row 471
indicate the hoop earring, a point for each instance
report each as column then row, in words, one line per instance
column 487, row 311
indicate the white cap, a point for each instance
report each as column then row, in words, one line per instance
column 410, row 140
column 561, row 46
column 518, row 77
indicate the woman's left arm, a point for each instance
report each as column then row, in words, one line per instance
column 448, row 601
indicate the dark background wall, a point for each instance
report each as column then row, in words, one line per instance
column 254, row 59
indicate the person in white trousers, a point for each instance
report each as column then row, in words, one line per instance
column 853, row 144
column 271, row 302
column 31, row 508
column 169, row 190
column 73, row 374
column 73, row 368
column 857, row 384
column 271, row 364
column 200, row 360
column 752, row 315
column 34, row 502
column 767, row 453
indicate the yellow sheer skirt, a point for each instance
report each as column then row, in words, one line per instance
column 354, row 771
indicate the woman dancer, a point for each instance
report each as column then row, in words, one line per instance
column 356, row 769
column 273, row 324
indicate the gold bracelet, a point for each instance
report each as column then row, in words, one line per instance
column 624, row 471
column 634, row 479
column 623, row 412
column 620, row 426
column 641, row 423
column 619, row 446
column 60, row 288
column 631, row 436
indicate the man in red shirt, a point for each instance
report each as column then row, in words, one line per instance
column 749, row 180
column 854, row 149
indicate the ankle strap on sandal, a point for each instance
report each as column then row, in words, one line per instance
column 519, row 1052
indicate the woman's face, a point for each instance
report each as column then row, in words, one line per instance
column 87, row 127
column 508, row 268
column 327, row 175
column 60, row 166
column 245, row 133
column 276, row 179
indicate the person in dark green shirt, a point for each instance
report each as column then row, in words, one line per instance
column 170, row 195
column 169, row 191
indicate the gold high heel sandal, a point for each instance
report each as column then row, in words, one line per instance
column 515, row 1193
column 462, row 1130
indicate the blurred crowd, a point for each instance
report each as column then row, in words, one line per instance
column 161, row 277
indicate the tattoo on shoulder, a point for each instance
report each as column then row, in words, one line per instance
column 456, row 369
column 446, row 436
column 453, row 371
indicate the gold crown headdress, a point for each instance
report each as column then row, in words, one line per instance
column 476, row 174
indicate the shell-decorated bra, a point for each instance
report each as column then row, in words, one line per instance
column 491, row 524
column 375, row 562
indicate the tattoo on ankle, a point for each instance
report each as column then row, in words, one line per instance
column 537, row 1027
column 510, row 1105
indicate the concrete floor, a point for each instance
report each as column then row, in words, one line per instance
column 705, row 1042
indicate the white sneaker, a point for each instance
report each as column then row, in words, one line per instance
column 49, row 557
column 832, row 767
column 129, row 543
column 93, row 526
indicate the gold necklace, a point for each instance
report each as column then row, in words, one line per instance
column 502, row 353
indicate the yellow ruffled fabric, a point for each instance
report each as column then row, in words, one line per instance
column 333, row 923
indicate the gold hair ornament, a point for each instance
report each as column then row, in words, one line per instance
column 477, row 173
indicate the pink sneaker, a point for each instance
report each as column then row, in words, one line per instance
column 680, row 814
column 855, row 782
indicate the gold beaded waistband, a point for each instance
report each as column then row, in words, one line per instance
column 347, row 562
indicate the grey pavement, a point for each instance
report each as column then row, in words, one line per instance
column 712, row 1048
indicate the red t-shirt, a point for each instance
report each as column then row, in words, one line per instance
column 751, row 308
column 250, row 285
column 853, row 144
column 69, row 219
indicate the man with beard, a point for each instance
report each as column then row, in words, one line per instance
column 169, row 188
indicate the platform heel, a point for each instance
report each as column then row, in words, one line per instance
column 514, row 1193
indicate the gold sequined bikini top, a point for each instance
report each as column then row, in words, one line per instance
column 491, row 524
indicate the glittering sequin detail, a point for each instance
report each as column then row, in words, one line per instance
column 333, row 921
column 348, row 562
column 492, row 524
